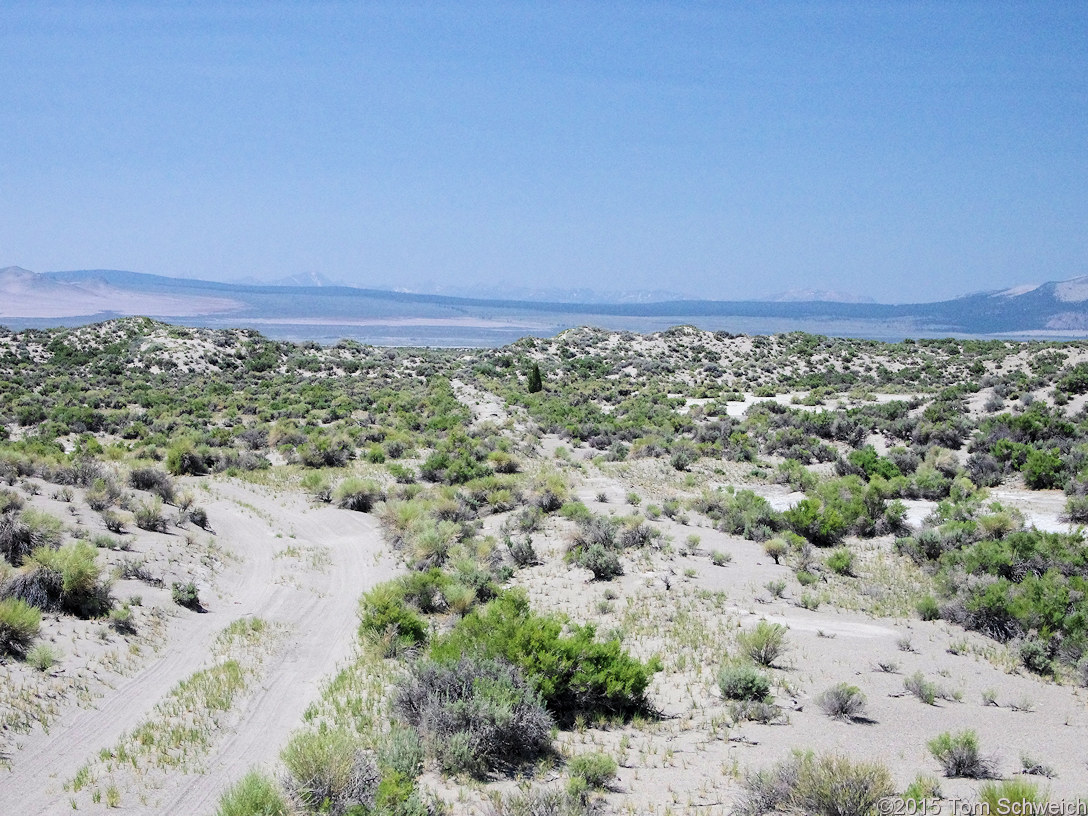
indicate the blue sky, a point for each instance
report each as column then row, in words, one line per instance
column 902, row 151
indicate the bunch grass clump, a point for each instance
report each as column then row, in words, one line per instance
column 62, row 580
column 253, row 795
column 959, row 756
column 1012, row 796
column 328, row 772
column 764, row 644
column 19, row 625
column 357, row 494
column 824, row 785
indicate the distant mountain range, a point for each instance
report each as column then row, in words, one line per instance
column 316, row 308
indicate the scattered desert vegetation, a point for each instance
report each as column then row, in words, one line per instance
column 686, row 572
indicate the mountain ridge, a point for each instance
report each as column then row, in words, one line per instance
column 1055, row 307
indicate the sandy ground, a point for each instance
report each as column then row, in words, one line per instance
column 317, row 605
column 304, row 567
column 681, row 607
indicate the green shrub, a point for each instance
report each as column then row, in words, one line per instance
column 841, row 561
column 148, row 515
column 575, row 673
column 775, row 548
column 921, row 688
column 66, row 579
column 474, row 714
column 1034, row 656
column 45, row 530
column 328, row 772
column 22, row 533
column 253, row 795
column 1076, row 509
column 19, row 624
column 827, row 785
column 384, row 614
column 424, row 590
column 1012, row 796
column 182, row 460
column 923, row 788
column 154, row 481
column 822, row 526
column 598, row 770
column 503, row 462
column 398, row 796
column 113, row 522
column 842, row 702
column 522, row 551
column 928, row 609
column 400, row 751
column 15, row 538
column 108, row 542
column 186, row 594
column 199, row 517
column 1042, row 469
column 357, row 494
column 42, row 656
column 121, row 619
column 604, row 564
column 575, row 511
column 741, row 512
column 317, row 485
column 402, row 473
column 741, row 681
column 764, row 644
column 959, row 755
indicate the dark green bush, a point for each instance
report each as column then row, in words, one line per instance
column 928, row 609
column 823, row 526
column 182, row 460
column 841, row 561
column 575, row 673
column 186, row 595
column 154, row 481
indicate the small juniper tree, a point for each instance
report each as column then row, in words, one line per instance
column 536, row 382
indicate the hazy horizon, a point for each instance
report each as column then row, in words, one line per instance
column 905, row 153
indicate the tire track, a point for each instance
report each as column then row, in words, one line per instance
column 322, row 625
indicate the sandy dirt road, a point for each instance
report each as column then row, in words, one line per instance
column 315, row 604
